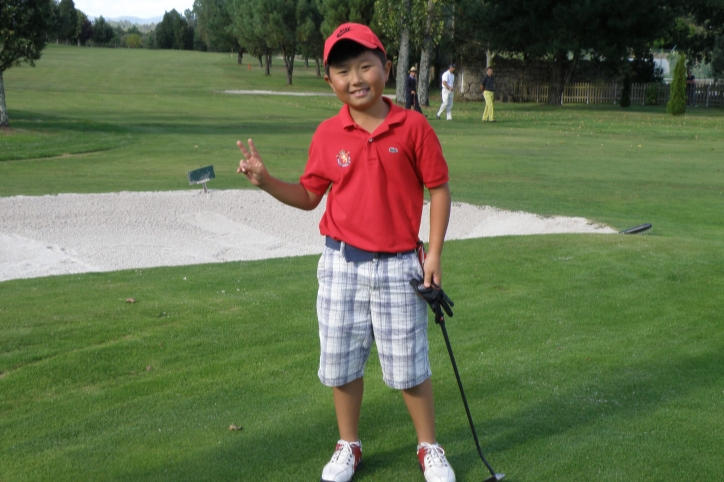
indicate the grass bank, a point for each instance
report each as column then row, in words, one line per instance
column 584, row 357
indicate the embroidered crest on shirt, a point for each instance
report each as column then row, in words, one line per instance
column 393, row 150
column 343, row 158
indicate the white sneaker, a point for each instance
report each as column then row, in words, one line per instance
column 434, row 464
column 344, row 463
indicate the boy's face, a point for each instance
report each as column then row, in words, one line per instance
column 359, row 82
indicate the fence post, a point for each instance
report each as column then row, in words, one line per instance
column 615, row 92
column 707, row 94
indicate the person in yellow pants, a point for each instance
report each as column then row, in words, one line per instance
column 488, row 88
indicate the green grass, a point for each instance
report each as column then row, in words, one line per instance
column 584, row 357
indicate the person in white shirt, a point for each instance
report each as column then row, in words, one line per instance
column 448, row 81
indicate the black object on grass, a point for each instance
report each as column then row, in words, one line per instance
column 438, row 300
column 638, row 229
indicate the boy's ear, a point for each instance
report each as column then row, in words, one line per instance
column 388, row 67
column 328, row 81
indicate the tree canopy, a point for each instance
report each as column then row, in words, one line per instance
column 174, row 32
column 563, row 31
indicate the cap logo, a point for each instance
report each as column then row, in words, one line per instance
column 343, row 158
column 343, row 31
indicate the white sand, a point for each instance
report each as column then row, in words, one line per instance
column 78, row 233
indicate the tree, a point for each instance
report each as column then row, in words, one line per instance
column 270, row 25
column 564, row 31
column 677, row 99
column 215, row 26
column 102, row 31
column 174, row 33
column 423, row 23
column 24, row 26
column 248, row 31
column 309, row 33
column 131, row 41
column 393, row 19
column 717, row 58
column 85, row 28
column 67, row 20
column 695, row 32
column 337, row 12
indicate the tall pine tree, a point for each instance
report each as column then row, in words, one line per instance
column 677, row 100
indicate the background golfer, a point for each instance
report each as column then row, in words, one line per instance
column 448, row 82
column 488, row 88
column 374, row 160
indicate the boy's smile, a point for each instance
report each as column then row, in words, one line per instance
column 359, row 82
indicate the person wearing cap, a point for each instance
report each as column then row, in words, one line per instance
column 411, row 91
column 487, row 85
column 690, row 88
column 373, row 161
column 448, row 82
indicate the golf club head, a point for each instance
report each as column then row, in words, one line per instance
column 495, row 478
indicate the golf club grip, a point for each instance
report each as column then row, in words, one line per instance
column 462, row 394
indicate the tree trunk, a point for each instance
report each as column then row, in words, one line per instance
column 267, row 66
column 289, row 62
column 319, row 70
column 261, row 62
column 423, row 82
column 558, row 78
column 4, row 120
column 403, row 58
column 240, row 56
column 306, row 61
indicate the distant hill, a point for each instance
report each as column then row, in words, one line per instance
column 136, row 20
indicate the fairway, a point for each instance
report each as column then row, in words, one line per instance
column 585, row 357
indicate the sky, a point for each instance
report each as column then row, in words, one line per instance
column 131, row 8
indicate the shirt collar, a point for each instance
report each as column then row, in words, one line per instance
column 396, row 115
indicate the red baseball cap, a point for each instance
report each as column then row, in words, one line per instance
column 357, row 33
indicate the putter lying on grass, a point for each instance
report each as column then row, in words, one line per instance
column 201, row 176
column 439, row 301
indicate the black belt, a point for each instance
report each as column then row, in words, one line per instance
column 352, row 254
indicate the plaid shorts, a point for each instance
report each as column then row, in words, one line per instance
column 359, row 303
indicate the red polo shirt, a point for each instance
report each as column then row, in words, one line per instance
column 377, row 179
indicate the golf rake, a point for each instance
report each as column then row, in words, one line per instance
column 439, row 301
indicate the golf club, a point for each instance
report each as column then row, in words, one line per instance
column 438, row 300
column 638, row 229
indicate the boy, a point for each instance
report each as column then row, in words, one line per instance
column 377, row 158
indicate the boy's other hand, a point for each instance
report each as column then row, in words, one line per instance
column 433, row 270
column 252, row 166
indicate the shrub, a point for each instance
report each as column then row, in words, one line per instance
column 652, row 95
column 132, row 41
column 677, row 101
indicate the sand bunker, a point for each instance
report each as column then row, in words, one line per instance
column 79, row 233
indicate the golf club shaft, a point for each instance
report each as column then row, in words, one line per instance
column 462, row 393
